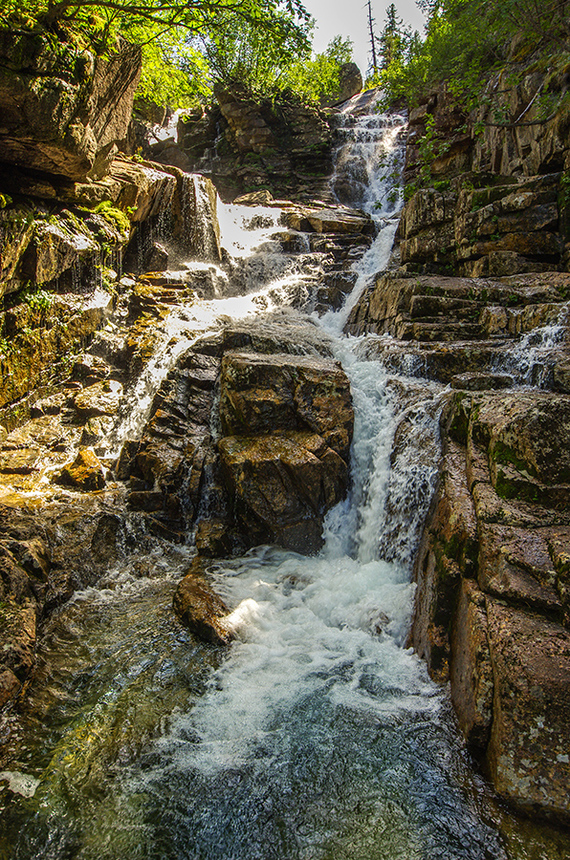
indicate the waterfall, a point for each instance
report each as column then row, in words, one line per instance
column 318, row 734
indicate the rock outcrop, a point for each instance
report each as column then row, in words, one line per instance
column 491, row 611
column 62, row 113
column 488, row 198
column 287, row 425
column 281, row 461
column 244, row 145
column 349, row 84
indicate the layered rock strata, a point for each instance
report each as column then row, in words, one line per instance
column 492, row 613
column 489, row 198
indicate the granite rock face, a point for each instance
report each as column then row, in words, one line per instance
column 287, row 424
column 281, row 462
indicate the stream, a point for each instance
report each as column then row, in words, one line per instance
column 318, row 735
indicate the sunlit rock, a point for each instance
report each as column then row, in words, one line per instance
column 202, row 610
column 85, row 473
column 63, row 112
column 102, row 398
column 269, row 393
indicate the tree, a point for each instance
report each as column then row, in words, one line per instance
column 393, row 39
column 140, row 20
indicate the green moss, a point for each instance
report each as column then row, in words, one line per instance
column 505, row 456
column 508, row 488
column 115, row 217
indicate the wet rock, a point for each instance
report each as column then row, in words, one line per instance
column 214, row 538
column 339, row 220
column 447, row 552
column 18, row 637
column 157, row 261
column 10, row 686
column 16, row 229
column 60, row 321
column 96, row 429
column 267, row 394
column 202, row 610
column 100, row 399
column 471, row 671
column 57, row 246
column 85, row 473
column 282, row 485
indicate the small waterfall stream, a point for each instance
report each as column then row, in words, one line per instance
column 319, row 734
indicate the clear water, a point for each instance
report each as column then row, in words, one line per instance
column 317, row 736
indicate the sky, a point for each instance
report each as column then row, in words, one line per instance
column 349, row 18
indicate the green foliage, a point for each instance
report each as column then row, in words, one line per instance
column 316, row 78
column 5, row 200
column 240, row 52
column 465, row 39
column 174, row 73
column 36, row 298
column 115, row 217
column 186, row 44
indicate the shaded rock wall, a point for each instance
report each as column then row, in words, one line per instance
column 63, row 110
column 487, row 198
column 491, row 612
column 244, row 145
column 62, row 262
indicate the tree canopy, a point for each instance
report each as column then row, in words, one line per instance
column 464, row 39
column 190, row 44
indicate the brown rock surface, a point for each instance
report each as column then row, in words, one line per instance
column 63, row 117
column 505, row 601
column 530, row 735
column 202, row 610
column 267, row 394
column 281, row 486
column 85, row 473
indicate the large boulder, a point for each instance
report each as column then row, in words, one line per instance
column 349, row 84
column 267, row 394
column 282, row 485
column 287, row 424
column 63, row 112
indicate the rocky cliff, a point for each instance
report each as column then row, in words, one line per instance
column 478, row 299
column 103, row 260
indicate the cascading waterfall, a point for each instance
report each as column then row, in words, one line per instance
column 318, row 735
column 530, row 361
